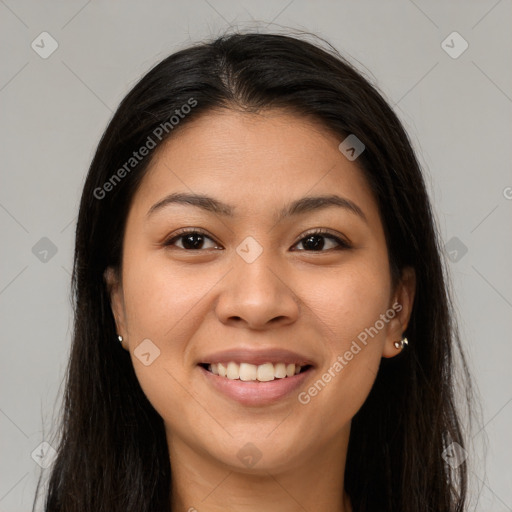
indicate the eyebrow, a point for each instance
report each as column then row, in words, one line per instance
column 300, row 206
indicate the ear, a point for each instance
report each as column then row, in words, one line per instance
column 402, row 302
column 115, row 291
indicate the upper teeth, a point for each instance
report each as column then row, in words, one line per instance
column 247, row 371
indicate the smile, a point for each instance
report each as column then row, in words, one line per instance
column 251, row 372
column 256, row 385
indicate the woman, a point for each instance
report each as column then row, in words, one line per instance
column 262, row 319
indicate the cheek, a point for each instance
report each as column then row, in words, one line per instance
column 348, row 308
column 160, row 299
column 348, row 299
column 162, row 305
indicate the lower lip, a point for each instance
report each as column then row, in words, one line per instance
column 254, row 392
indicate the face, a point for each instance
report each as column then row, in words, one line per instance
column 255, row 281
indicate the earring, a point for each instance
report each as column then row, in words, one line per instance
column 399, row 345
column 120, row 338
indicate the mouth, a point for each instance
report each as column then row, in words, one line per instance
column 247, row 372
column 256, row 385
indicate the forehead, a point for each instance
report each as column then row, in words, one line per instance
column 253, row 162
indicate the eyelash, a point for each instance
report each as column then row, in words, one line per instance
column 318, row 232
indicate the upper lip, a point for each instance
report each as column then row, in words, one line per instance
column 257, row 357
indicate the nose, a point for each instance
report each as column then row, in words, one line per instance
column 257, row 295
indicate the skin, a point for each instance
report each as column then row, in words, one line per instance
column 192, row 302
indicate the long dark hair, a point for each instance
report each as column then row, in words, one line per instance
column 112, row 451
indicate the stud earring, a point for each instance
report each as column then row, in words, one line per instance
column 120, row 338
column 399, row 345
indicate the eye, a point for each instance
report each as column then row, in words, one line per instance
column 314, row 241
column 193, row 239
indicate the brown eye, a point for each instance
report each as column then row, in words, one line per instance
column 191, row 240
column 315, row 241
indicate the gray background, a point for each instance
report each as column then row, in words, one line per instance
column 54, row 109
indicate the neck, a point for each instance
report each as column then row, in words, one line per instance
column 201, row 483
